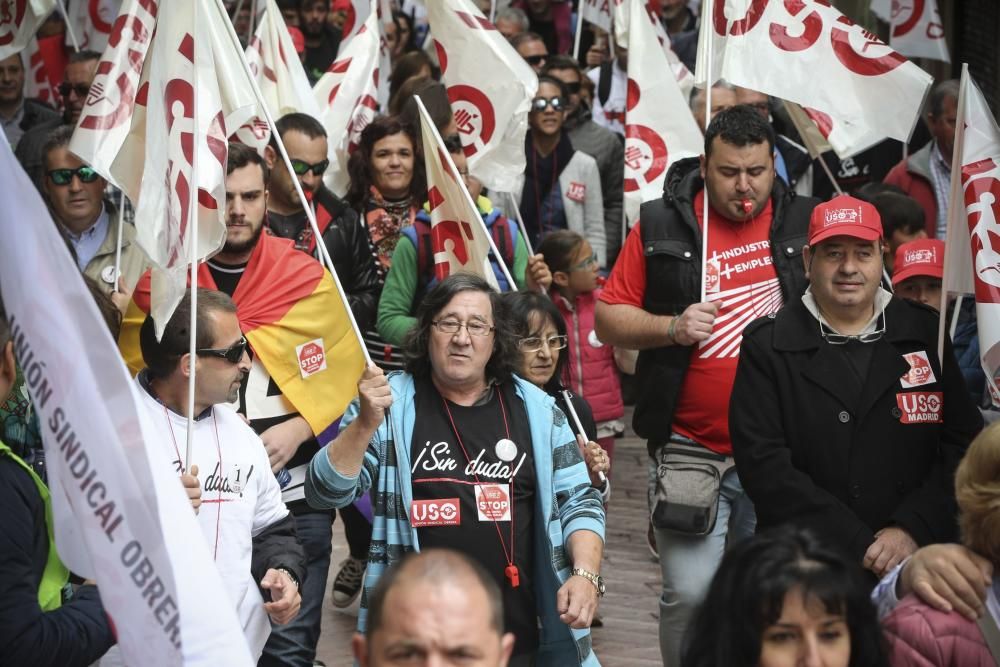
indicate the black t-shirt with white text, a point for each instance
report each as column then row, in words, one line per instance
column 461, row 498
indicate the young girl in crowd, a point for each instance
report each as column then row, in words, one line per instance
column 590, row 370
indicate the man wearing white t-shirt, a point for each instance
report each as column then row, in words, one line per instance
column 246, row 525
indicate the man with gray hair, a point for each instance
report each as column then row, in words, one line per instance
column 433, row 606
column 511, row 22
column 926, row 174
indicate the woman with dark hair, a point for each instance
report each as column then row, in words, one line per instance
column 405, row 38
column 459, row 452
column 783, row 598
column 413, row 65
column 561, row 186
column 387, row 187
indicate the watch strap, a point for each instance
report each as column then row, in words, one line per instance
column 592, row 577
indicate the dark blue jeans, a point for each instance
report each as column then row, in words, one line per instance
column 294, row 645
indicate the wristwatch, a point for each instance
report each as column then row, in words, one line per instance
column 289, row 575
column 595, row 579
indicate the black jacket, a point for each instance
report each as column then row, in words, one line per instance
column 346, row 240
column 671, row 233
column 277, row 546
column 845, row 456
column 75, row 634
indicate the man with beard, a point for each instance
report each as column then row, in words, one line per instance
column 321, row 41
column 18, row 115
column 344, row 236
column 80, row 74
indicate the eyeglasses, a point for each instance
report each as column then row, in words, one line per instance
column 81, row 89
column 586, row 264
column 535, row 60
column 301, row 168
column 65, row 176
column 232, row 354
column 535, row 344
column 834, row 338
column 540, row 103
column 474, row 328
column 573, row 88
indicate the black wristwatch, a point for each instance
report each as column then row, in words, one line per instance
column 593, row 578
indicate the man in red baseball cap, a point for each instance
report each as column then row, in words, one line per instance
column 843, row 418
column 917, row 271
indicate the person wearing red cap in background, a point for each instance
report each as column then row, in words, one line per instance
column 843, row 418
column 299, row 41
column 917, row 271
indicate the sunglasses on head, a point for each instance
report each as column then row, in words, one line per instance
column 81, row 89
column 232, row 354
column 302, row 168
column 535, row 60
column 541, row 103
column 65, row 176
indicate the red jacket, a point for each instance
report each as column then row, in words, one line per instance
column 913, row 176
column 920, row 636
column 590, row 359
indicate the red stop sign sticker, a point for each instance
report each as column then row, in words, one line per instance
column 493, row 502
column 311, row 357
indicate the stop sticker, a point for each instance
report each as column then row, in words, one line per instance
column 493, row 502
column 311, row 357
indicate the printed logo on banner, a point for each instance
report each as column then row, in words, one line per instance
column 11, row 17
column 920, row 372
column 493, row 502
column 920, row 407
column 311, row 357
column 577, row 191
column 438, row 512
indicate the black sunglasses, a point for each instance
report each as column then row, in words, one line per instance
column 301, row 168
column 573, row 88
column 65, row 176
column 232, row 354
column 535, row 60
column 540, row 103
column 81, row 89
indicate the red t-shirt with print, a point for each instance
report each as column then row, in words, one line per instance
column 741, row 278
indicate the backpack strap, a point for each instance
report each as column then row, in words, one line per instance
column 419, row 234
column 604, row 82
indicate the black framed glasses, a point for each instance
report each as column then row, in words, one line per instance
column 535, row 344
column 834, row 338
column 81, row 89
column 535, row 60
column 541, row 103
column 232, row 354
column 65, row 176
column 452, row 326
column 301, row 168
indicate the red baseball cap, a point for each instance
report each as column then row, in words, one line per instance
column 844, row 216
column 918, row 258
column 298, row 39
column 340, row 6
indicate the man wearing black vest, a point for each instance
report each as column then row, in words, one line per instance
column 689, row 347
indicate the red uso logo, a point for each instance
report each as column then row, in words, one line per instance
column 920, row 372
column 311, row 357
column 493, row 502
column 905, row 25
column 920, row 407
column 474, row 117
column 10, row 21
column 438, row 512
column 645, row 156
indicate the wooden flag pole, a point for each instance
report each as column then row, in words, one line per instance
column 193, row 254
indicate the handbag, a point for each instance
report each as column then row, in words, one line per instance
column 688, row 484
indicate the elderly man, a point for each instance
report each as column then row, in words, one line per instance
column 473, row 458
column 75, row 193
column 511, row 22
column 530, row 46
column 432, row 606
column 843, row 417
column 245, row 523
column 689, row 347
column 17, row 114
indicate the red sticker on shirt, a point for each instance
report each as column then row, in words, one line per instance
column 437, row 512
column 493, row 502
column 920, row 372
column 920, row 407
column 577, row 191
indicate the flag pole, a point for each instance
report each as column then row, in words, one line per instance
column 707, row 25
column 69, row 26
column 118, row 241
column 520, row 222
column 954, row 200
column 493, row 11
column 465, row 191
column 193, row 253
column 579, row 29
column 579, row 425
column 323, row 252
column 829, row 174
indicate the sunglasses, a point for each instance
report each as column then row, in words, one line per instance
column 541, row 103
column 65, row 176
column 573, row 88
column 302, row 168
column 232, row 354
column 535, row 60
column 81, row 89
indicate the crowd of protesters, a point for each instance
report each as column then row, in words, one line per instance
column 820, row 487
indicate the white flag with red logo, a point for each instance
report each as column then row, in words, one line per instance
column 490, row 88
column 808, row 52
column 972, row 249
column 822, row 133
column 622, row 13
column 280, row 75
column 597, row 12
column 916, row 27
column 459, row 237
column 37, row 85
column 347, row 95
column 357, row 17
column 193, row 92
column 659, row 127
column 19, row 19
column 92, row 21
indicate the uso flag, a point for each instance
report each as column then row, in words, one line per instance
column 18, row 22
